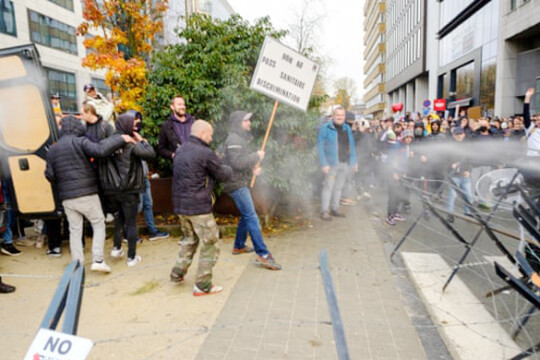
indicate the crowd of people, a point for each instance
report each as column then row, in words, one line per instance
column 426, row 152
column 98, row 168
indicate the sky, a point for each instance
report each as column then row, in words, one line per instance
column 341, row 32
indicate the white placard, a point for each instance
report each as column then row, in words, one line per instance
column 284, row 75
column 52, row 345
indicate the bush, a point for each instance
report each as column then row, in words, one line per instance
column 212, row 69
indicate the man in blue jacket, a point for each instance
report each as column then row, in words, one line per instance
column 337, row 156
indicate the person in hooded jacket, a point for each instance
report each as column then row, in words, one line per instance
column 124, row 189
column 244, row 164
column 69, row 170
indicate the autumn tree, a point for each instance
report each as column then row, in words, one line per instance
column 119, row 35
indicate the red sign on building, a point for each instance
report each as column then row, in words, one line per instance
column 439, row 105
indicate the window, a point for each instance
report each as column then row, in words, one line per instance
column 49, row 32
column 63, row 84
column 513, row 4
column 465, row 81
column 100, row 86
column 7, row 18
column 68, row 4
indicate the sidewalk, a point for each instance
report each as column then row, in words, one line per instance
column 284, row 314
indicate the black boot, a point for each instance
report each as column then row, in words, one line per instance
column 5, row 288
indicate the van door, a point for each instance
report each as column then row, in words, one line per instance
column 27, row 129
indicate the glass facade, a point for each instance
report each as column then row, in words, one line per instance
column 68, row 4
column 50, row 32
column 465, row 81
column 64, row 84
column 7, row 18
column 451, row 8
column 480, row 30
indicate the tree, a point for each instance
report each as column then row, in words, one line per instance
column 347, row 84
column 212, row 69
column 125, row 31
column 306, row 27
column 343, row 98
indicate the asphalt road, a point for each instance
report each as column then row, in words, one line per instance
column 431, row 236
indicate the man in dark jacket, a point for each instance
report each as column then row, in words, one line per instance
column 124, row 191
column 175, row 131
column 244, row 165
column 69, row 169
column 196, row 169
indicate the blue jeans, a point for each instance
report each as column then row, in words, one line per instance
column 7, row 235
column 465, row 185
column 148, row 206
column 249, row 222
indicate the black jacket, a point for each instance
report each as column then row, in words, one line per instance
column 196, row 169
column 68, row 164
column 126, row 161
column 237, row 154
column 168, row 139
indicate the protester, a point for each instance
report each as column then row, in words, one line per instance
column 7, row 247
column 396, row 167
column 103, row 107
column 243, row 163
column 196, row 170
column 146, row 197
column 459, row 175
column 337, row 156
column 124, row 188
column 176, row 129
column 530, row 170
column 69, row 170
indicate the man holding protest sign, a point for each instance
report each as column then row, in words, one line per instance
column 244, row 165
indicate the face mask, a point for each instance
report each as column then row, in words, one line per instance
column 138, row 127
column 483, row 128
column 418, row 132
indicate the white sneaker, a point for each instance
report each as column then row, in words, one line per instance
column 109, row 218
column 102, row 267
column 132, row 262
column 117, row 253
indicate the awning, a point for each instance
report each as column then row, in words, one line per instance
column 461, row 102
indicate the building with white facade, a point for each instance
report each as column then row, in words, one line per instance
column 374, row 56
column 518, row 58
column 52, row 24
column 407, row 79
column 175, row 18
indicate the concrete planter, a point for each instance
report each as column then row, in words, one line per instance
column 263, row 197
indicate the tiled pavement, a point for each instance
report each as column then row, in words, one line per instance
column 284, row 314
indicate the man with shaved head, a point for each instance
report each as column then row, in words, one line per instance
column 196, row 169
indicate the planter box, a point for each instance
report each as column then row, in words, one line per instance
column 162, row 195
column 263, row 197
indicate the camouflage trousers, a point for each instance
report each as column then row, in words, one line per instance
column 199, row 229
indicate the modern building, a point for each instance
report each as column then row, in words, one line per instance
column 518, row 58
column 374, row 57
column 52, row 24
column 175, row 18
column 468, row 47
column 407, row 79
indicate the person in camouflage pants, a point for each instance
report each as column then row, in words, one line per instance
column 196, row 168
column 198, row 229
